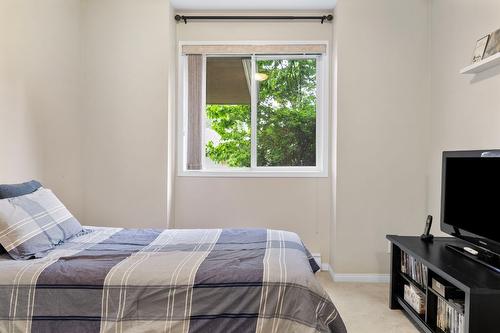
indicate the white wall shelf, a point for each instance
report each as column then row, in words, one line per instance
column 482, row 65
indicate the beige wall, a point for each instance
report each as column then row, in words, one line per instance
column 127, row 60
column 39, row 89
column 301, row 205
column 86, row 88
column 382, row 109
column 85, row 91
column 465, row 109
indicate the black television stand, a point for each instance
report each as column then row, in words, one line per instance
column 486, row 258
column 468, row 281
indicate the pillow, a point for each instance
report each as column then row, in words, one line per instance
column 34, row 223
column 16, row 190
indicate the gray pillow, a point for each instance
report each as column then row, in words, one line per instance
column 34, row 223
column 16, row 190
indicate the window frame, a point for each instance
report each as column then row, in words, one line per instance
column 322, row 117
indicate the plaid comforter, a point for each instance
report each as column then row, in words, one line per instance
column 144, row 280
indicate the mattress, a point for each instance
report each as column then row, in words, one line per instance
column 177, row 280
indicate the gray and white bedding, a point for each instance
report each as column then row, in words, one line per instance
column 146, row 280
column 33, row 224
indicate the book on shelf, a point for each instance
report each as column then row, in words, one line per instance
column 415, row 298
column 414, row 269
column 449, row 319
column 447, row 291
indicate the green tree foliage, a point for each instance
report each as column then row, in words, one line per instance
column 286, row 112
column 286, row 119
column 232, row 123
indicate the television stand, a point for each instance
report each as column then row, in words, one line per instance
column 486, row 258
column 477, row 286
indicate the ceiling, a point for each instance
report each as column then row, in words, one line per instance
column 254, row 5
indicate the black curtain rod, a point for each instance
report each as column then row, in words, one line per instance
column 184, row 18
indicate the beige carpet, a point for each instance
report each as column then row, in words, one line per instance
column 364, row 307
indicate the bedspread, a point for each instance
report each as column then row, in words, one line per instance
column 176, row 280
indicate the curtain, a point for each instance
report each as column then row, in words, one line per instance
column 194, row 117
column 256, row 49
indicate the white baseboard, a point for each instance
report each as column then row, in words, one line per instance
column 323, row 266
column 363, row 278
column 360, row 278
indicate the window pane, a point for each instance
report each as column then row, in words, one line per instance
column 286, row 112
column 228, row 109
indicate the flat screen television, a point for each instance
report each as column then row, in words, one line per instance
column 470, row 197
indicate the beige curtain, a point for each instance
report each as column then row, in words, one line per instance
column 195, row 82
column 256, row 49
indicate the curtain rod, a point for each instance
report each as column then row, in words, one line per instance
column 184, row 18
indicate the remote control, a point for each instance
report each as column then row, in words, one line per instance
column 471, row 251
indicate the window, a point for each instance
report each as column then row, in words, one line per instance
column 253, row 114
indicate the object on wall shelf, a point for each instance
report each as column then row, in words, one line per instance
column 493, row 44
column 480, row 49
column 482, row 65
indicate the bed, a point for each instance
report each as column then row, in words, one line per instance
column 147, row 280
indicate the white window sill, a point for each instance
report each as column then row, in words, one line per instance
column 302, row 173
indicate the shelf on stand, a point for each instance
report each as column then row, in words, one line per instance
column 417, row 318
column 459, row 309
column 413, row 282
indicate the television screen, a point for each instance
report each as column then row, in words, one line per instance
column 471, row 195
